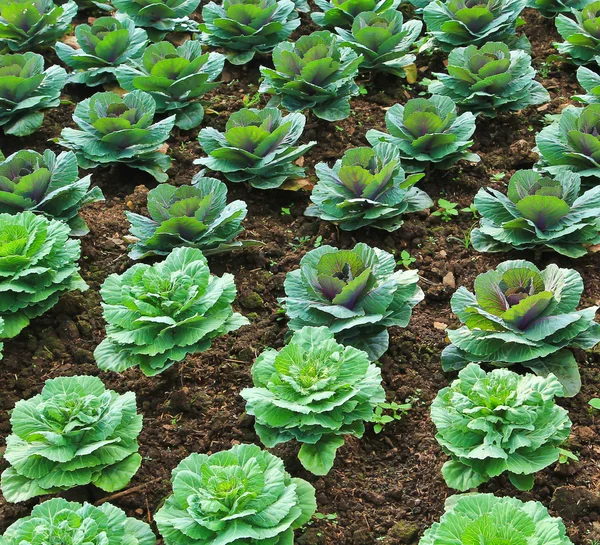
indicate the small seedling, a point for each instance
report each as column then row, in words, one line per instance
column 318, row 241
column 566, row 456
column 397, row 412
column 498, row 176
column 406, row 260
column 286, row 211
column 595, row 403
column 470, row 210
column 447, row 210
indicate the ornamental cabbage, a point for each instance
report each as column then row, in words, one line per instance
column 313, row 390
column 103, row 47
column 245, row 28
column 29, row 24
column 26, row 89
column 497, row 422
column 241, row 495
column 65, row 522
column 485, row 518
column 117, row 129
column 490, row 79
column 355, row 293
column 455, row 23
column 175, row 78
column 519, row 314
column 538, row 212
column 342, row 13
column 48, row 185
column 315, row 73
column 38, row 264
column 74, row 433
column 257, row 147
column 581, row 35
column 197, row 216
column 383, row 39
column 550, row 8
column 160, row 16
column 158, row 314
column 367, row 187
column 428, row 132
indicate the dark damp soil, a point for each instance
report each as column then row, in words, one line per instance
column 384, row 488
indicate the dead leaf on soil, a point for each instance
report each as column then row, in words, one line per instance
column 411, row 73
column 297, row 185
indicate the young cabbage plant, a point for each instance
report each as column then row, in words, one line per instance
column 485, row 518
column 456, row 23
column 38, row 264
column 355, row 293
column 117, row 129
column 257, row 147
column 499, row 422
column 105, row 5
column 590, row 81
column 74, row 433
column 104, row 46
column 241, row 495
column 383, row 40
column 581, row 34
column 313, row 73
column 175, row 78
column 519, row 314
column 158, row 314
column 26, row 90
column 489, row 80
column 315, row 391
column 30, row 24
column 367, row 187
column 249, row 27
column 551, row 8
column 538, row 212
column 428, row 132
column 195, row 216
column 343, row 13
column 46, row 184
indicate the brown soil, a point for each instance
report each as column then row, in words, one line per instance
column 385, row 487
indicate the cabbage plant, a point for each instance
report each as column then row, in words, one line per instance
column 550, row 8
column 26, row 90
column 590, row 81
column 38, row 264
column 314, row 73
column 241, row 495
column 499, row 422
column 315, row 391
column 455, row 23
column 538, row 212
column 30, row 24
column 490, row 79
column 428, row 132
column 175, row 78
column 581, row 33
column 343, row 13
column 485, row 518
column 355, row 293
column 258, row 147
column 160, row 16
column 158, row 314
column 383, row 40
column 519, row 314
column 105, row 45
column 74, row 433
column 46, row 184
column 115, row 129
column 245, row 28
column 195, row 216
column 367, row 187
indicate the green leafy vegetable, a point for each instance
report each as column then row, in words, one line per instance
column 550, row 8
column 367, row 187
column 343, row 13
column 160, row 16
column 74, row 433
column 590, row 81
column 581, row 34
column 313, row 390
column 240, row 495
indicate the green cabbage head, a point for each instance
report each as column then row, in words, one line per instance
column 115, row 129
column 158, row 314
column 428, row 132
column 355, row 293
column 38, row 264
column 551, row 8
column 74, row 433
column 104, row 46
column 519, row 314
column 538, row 212
column 367, row 187
column 581, row 34
column 65, row 522
column 343, row 13
column 485, row 518
column 26, row 89
column 241, row 495
column 315, row 391
column 159, row 17
column 499, row 422
column 46, row 184
column 490, row 79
